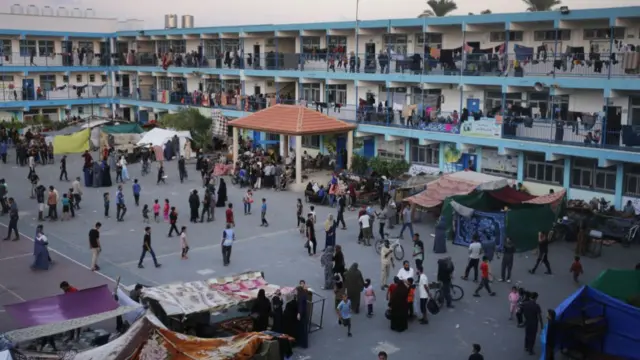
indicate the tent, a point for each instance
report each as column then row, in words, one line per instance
column 483, row 213
column 623, row 285
column 621, row 321
column 75, row 143
column 5, row 355
column 121, row 136
column 158, row 137
column 458, row 183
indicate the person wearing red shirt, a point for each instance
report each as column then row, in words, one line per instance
column 64, row 286
column 484, row 280
column 229, row 216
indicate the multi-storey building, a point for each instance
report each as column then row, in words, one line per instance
column 553, row 97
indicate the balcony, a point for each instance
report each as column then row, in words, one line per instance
column 440, row 62
column 54, row 59
column 64, row 92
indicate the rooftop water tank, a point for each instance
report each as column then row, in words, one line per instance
column 33, row 10
column 47, row 11
column 76, row 12
column 62, row 11
column 17, row 9
column 170, row 21
column 187, row 21
column 89, row 13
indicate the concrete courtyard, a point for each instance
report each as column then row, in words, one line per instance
column 278, row 252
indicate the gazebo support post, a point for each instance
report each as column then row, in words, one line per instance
column 283, row 146
column 235, row 146
column 298, row 160
column 349, row 149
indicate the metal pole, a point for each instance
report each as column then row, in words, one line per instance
column 356, row 59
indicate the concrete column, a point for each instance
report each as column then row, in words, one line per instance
column 234, row 148
column 617, row 200
column 298, row 160
column 566, row 181
column 441, row 160
column 520, row 176
column 478, row 159
column 407, row 150
column 349, row 149
column 283, row 144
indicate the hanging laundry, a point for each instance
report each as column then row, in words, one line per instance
column 467, row 48
column 523, row 53
column 499, row 49
column 435, row 53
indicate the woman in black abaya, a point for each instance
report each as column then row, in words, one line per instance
column 354, row 282
column 276, row 312
column 222, row 194
column 399, row 307
column 260, row 312
column 106, row 175
column 290, row 319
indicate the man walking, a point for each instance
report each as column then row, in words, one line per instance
column 146, row 247
column 386, row 260
column 406, row 221
column 228, row 236
column 94, row 246
column 341, row 206
column 475, row 250
column 121, row 209
column 182, row 169
column 418, row 250
column 532, row 317
column 77, row 192
column 173, row 220
column 40, row 191
column 52, row 201
column 263, row 213
column 63, row 168
column 136, row 192
column 13, row 220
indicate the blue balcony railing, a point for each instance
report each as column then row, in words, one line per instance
column 442, row 62
column 63, row 92
column 538, row 130
column 54, row 59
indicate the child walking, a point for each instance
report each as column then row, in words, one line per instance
column 412, row 294
column 107, row 202
column 369, row 297
column 166, row 209
column 344, row 313
column 513, row 301
column 576, row 267
column 183, row 242
column 65, row 208
column 156, row 210
column 145, row 214
column 263, row 213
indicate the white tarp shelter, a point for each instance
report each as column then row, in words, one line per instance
column 5, row 355
column 159, row 137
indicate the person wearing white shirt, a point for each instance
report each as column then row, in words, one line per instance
column 475, row 250
column 406, row 272
column 365, row 225
column 425, row 295
column 228, row 237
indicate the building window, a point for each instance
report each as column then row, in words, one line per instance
column 433, row 40
column 27, row 47
column 229, row 45
column 585, row 174
column 45, row 48
column 312, row 141
column 311, row 92
column 79, row 78
column 103, row 78
column 87, row 45
column 335, row 41
column 539, row 170
column 501, row 36
column 65, row 79
column 5, row 47
column 80, row 110
column 631, row 180
column 428, row 97
column 309, row 44
column 493, row 100
column 165, row 83
column 550, row 35
column 337, row 94
column 395, row 43
column 48, row 82
column 92, row 78
column 424, row 154
column 211, row 48
column 117, row 77
column 7, row 78
column 602, row 34
column 272, row 137
column 634, row 111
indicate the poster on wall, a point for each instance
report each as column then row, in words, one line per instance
column 491, row 160
column 489, row 227
column 488, row 128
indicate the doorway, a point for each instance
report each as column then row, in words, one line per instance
column 370, row 58
column 474, row 44
column 126, row 113
column 613, row 125
column 125, row 85
column 28, row 89
column 257, row 91
column 256, row 56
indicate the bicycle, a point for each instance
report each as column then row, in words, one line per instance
column 456, row 292
column 398, row 249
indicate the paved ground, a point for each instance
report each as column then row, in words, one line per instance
column 278, row 251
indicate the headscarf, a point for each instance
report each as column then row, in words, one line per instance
column 329, row 223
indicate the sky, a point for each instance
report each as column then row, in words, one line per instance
column 251, row 12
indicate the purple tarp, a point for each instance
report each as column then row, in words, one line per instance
column 63, row 307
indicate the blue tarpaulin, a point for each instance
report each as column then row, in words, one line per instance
column 623, row 322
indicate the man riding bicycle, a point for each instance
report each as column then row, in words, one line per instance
column 445, row 274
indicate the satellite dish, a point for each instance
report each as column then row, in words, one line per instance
column 538, row 86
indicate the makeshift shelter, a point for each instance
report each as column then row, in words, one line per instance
column 75, row 143
column 412, row 186
column 121, row 137
column 590, row 322
column 158, row 139
column 5, row 355
column 623, row 285
column 497, row 214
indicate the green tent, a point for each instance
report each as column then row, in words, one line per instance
column 623, row 285
column 130, row 128
column 523, row 221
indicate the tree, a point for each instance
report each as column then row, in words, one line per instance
column 541, row 5
column 439, row 8
column 190, row 119
column 359, row 164
column 485, row 12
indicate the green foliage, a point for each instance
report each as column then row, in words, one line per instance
column 359, row 164
column 190, row 119
column 389, row 168
column 439, row 8
column 330, row 143
column 541, row 5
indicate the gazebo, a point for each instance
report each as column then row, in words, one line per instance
column 293, row 120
